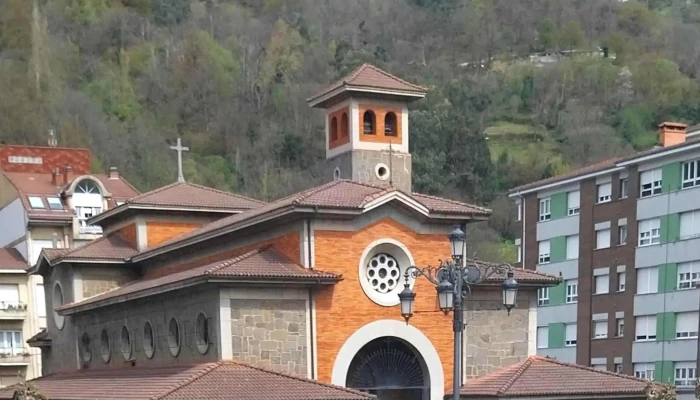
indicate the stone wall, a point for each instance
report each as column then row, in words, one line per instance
column 270, row 334
column 493, row 339
column 94, row 284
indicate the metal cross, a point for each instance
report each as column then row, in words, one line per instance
column 179, row 148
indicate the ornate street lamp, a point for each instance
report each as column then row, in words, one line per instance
column 453, row 280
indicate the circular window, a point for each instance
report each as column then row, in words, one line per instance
column 174, row 337
column 58, row 302
column 126, row 343
column 201, row 331
column 336, row 173
column 148, row 340
column 381, row 171
column 104, row 346
column 85, row 347
column 381, row 271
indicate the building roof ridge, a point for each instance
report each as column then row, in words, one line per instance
column 391, row 76
column 189, row 380
column 117, row 235
column 303, row 195
column 235, row 260
column 586, row 368
column 518, row 373
column 223, row 192
column 461, row 203
column 152, row 192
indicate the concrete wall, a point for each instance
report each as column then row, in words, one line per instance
column 14, row 223
column 676, row 252
column 63, row 354
column 674, row 350
column 568, row 269
column 565, row 354
column 670, row 203
column 676, row 301
column 567, row 226
column 565, row 313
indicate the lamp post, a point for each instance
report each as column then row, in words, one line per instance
column 453, row 280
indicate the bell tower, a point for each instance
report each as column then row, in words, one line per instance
column 367, row 127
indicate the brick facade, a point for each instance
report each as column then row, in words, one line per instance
column 50, row 157
column 380, row 112
column 160, row 232
column 129, row 232
column 341, row 134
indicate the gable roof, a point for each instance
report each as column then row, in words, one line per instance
column 223, row 380
column 368, row 78
column 540, row 376
column 11, row 259
column 111, row 248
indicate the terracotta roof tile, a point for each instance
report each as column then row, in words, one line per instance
column 223, row 380
column 12, row 259
column 111, row 247
column 539, row 376
column 182, row 194
column 41, row 338
column 598, row 167
column 520, row 274
column 439, row 204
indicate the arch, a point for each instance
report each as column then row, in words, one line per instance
column 344, row 125
column 390, row 328
column 334, row 129
column 390, row 124
column 369, row 123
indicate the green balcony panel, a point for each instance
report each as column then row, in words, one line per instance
column 557, row 333
column 558, row 205
column 671, row 177
column 665, row 326
column 668, row 277
column 557, row 249
column 663, row 371
column 670, row 229
column 557, row 294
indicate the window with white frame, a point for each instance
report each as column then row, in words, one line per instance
column 572, row 291
column 600, row 329
column 645, row 328
column 542, row 337
column 37, row 245
column 685, row 374
column 618, row 368
column 644, row 371
column 544, row 252
column 690, row 224
column 604, row 192
column 543, row 296
column 36, row 203
column 572, row 247
column 647, row 280
column 691, row 174
column 622, row 234
column 545, row 209
column 621, row 281
column 88, row 202
column 40, row 300
column 602, row 239
column 624, row 188
column 570, row 335
column 620, row 327
column 9, row 296
column 599, row 367
column 601, row 284
column 649, row 232
column 688, row 275
column 54, row 203
column 573, row 202
column 687, row 325
column 11, row 342
column 650, row 183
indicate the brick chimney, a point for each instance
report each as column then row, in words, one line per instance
column 113, row 173
column 67, row 174
column 671, row 133
column 56, row 178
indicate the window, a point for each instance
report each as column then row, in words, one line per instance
column 368, row 123
column 520, row 253
column 105, row 347
column 572, row 291
column 570, row 335
column 691, row 174
column 650, row 183
column 602, row 238
column 334, row 129
column 685, row 374
column 604, row 192
column 40, row 301
column 9, row 297
column 544, row 252
column 344, row 125
column 573, row 201
column 202, row 333
column 54, row 203
column 545, row 209
column 572, row 247
column 622, row 234
column 618, row 368
column 600, row 329
column 690, row 224
column 649, row 232
column 11, row 342
column 37, row 245
column 390, row 124
column 688, row 275
column 148, row 340
column 624, row 188
column 58, row 302
column 126, row 342
column 85, row 347
column 543, row 296
column 599, row 367
column 646, row 328
column 601, row 284
column 174, row 337
column 644, row 371
column 542, row 337
column 36, row 203
column 620, row 327
column 621, row 280
column 647, row 280
column 87, row 200
column 520, row 211
column 687, row 325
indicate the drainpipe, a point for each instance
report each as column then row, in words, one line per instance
column 522, row 238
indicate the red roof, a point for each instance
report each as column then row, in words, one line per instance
column 223, row 380
column 183, row 194
column 12, row 259
column 111, row 247
column 539, row 376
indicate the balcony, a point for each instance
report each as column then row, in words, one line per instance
column 12, row 310
column 84, row 228
column 12, row 356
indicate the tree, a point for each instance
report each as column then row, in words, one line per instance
column 547, row 33
column 28, row 391
column 571, row 35
column 170, row 12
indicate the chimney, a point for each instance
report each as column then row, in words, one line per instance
column 56, row 177
column 113, row 173
column 671, row 133
column 67, row 174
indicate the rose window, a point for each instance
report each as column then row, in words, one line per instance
column 383, row 273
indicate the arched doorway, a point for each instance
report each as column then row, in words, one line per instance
column 389, row 368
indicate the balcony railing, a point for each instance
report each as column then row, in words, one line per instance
column 88, row 229
column 14, row 355
column 13, row 310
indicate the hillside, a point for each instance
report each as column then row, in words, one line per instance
column 518, row 91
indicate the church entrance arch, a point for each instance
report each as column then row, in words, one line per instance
column 390, row 368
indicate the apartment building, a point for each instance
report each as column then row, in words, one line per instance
column 46, row 196
column 624, row 235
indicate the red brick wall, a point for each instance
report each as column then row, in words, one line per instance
column 161, row 232
column 342, row 134
column 379, row 114
column 129, row 232
column 51, row 158
column 344, row 308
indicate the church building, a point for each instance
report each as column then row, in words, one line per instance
column 306, row 286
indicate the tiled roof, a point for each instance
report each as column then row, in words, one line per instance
column 12, row 259
column 264, row 263
column 182, row 194
column 370, row 77
column 539, row 376
column 223, row 380
column 111, row 247
column 522, row 275
column 43, row 338
column 601, row 166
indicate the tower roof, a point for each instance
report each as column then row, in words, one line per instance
column 367, row 79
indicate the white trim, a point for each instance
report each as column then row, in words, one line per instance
column 391, row 298
column 318, row 100
column 391, row 328
column 381, row 200
column 226, row 337
column 12, row 271
column 564, row 182
column 309, row 341
column 658, row 155
column 314, row 334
